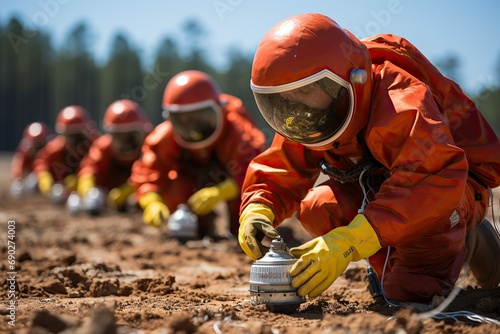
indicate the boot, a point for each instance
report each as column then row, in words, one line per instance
column 483, row 257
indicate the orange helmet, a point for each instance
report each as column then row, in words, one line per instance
column 125, row 116
column 73, row 120
column 37, row 134
column 191, row 101
column 311, row 55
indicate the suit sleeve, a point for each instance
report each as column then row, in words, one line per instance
column 98, row 159
column 149, row 172
column 280, row 177
column 21, row 162
column 241, row 143
column 428, row 171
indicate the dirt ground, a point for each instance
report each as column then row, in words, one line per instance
column 114, row 274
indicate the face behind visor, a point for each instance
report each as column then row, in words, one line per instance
column 198, row 126
column 127, row 144
column 313, row 111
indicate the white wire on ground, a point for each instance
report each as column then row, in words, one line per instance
column 438, row 312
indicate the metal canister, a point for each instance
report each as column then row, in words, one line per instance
column 270, row 280
column 183, row 224
column 58, row 193
column 16, row 188
column 74, row 203
column 94, row 201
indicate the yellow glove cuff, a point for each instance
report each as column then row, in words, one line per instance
column 228, row 189
column 155, row 213
column 149, row 198
column 118, row 196
column 257, row 208
column 126, row 189
column 85, row 183
column 70, row 182
column 45, row 182
column 363, row 237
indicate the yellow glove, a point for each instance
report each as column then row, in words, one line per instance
column 70, row 182
column 155, row 211
column 325, row 258
column 45, row 182
column 117, row 197
column 84, row 184
column 255, row 218
column 204, row 200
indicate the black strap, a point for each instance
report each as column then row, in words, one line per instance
column 348, row 176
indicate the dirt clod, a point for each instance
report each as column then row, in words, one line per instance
column 113, row 274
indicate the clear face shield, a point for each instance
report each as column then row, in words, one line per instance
column 73, row 140
column 313, row 111
column 196, row 126
column 127, row 144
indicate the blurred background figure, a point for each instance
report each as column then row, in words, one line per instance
column 57, row 162
column 35, row 136
column 198, row 156
column 108, row 164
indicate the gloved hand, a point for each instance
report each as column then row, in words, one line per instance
column 70, row 182
column 254, row 218
column 204, row 200
column 84, row 184
column 45, row 182
column 155, row 211
column 325, row 258
column 117, row 196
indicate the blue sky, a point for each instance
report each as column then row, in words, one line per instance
column 438, row 28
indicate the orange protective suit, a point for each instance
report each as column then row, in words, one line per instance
column 436, row 155
column 176, row 173
column 61, row 161
column 35, row 136
column 108, row 170
column 22, row 162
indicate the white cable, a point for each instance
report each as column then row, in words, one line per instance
column 365, row 194
column 436, row 313
column 492, row 204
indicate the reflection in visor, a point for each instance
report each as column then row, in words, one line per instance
column 304, row 124
column 301, row 123
column 194, row 126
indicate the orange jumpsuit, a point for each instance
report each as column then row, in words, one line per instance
column 22, row 162
column 60, row 161
column 177, row 173
column 437, row 156
column 109, row 171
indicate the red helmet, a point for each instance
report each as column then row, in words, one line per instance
column 191, row 101
column 73, row 120
column 37, row 134
column 125, row 116
column 311, row 54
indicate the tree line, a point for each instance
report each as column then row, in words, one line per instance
column 38, row 80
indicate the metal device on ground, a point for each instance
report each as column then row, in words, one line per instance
column 58, row 193
column 23, row 187
column 183, row 224
column 94, row 201
column 74, row 203
column 270, row 280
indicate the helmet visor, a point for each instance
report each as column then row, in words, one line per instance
column 126, row 142
column 312, row 113
column 196, row 125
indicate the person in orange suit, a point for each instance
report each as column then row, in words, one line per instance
column 198, row 155
column 410, row 161
column 59, row 160
column 109, row 162
column 35, row 136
